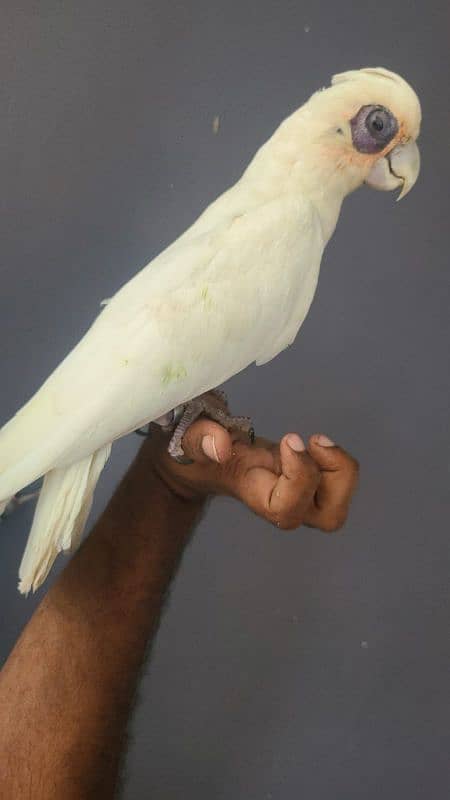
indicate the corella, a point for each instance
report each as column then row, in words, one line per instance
column 232, row 290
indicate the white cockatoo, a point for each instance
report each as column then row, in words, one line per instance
column 232, row 290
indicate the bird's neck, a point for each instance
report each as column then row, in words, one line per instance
column 293, row 161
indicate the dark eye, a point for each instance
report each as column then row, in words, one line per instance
column 373, row 127
column 375, row 122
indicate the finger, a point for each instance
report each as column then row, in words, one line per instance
column 273, row 449
column 236, row 475
column 206, row 441
column 259, row 453
column 284, row 499
column 339, row 477
column 298, row 482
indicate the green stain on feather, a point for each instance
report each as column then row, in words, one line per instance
column 206, row 299
column 173, row 372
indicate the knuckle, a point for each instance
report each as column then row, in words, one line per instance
column 234, row 468
column 291, row 525
column 328, row 526
column 286, row 522
column 334, row 521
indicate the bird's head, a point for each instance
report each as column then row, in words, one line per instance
column 365, row 127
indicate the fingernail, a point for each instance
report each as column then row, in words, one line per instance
column 209, row 448
column 295, row 442
column 324, row 441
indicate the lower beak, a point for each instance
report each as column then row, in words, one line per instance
column 399, row 168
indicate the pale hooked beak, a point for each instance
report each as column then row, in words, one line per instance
column 399, row 168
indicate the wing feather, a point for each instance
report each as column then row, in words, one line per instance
column 200, row 312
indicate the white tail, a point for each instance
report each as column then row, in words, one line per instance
column 61, row 513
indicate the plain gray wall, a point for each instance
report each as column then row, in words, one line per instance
column 287, row 665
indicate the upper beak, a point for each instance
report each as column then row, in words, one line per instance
column 399, row 168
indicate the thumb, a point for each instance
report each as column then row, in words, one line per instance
column 291, row 448
column 295, row 459
column 206, row 440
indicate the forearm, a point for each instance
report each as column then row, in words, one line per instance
column 64, row 718
column 68, row 687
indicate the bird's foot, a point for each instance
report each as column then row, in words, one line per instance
column 212, row 404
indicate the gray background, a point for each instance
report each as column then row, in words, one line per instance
column 288, row 665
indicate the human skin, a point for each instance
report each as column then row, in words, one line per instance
column 68, row 687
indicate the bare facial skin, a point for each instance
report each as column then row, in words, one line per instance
column 67, row 689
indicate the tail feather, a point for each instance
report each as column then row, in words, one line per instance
column 61, row 513
column 3, row 505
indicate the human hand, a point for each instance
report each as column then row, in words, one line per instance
column 287, row 483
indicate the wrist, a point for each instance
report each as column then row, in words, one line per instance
column 156, row 520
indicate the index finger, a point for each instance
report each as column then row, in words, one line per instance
column 338, row 481
column 283, row 498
